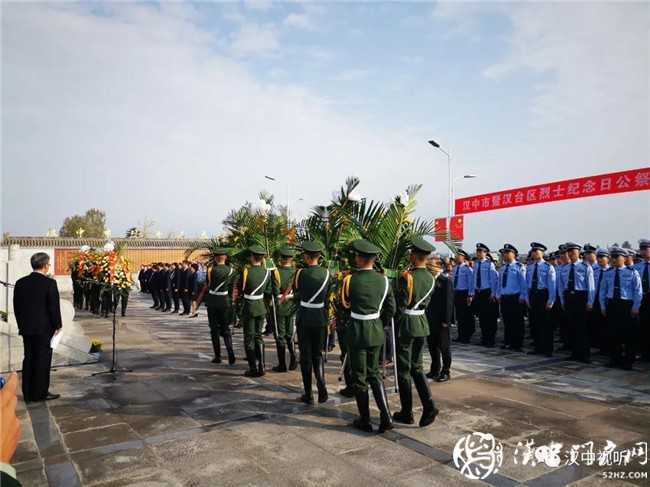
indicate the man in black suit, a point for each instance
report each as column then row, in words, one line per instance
column 439, row 314
column 184, row 290
column 166, row 288
column 36, row 306
column 177, row 285
column 153, row 286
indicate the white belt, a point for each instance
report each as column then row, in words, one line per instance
column 253, row 297
column 305, row 304
column 372, row 316
column 414, row 312
column 219, row 293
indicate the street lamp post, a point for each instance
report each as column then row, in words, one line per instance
column 450, row 210
column 270, row 178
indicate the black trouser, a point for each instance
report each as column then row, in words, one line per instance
column 439, row 349
column 644, row 327
column 77, row 295
column 155, row 295
column 87, row 296
column 464, row 317
column 597, row 325
column 185, row 298
column 36, row 366
column 343, row 344
column 540, row 321
column 512, row 313
column 167, row 298
column 575, row 305
column 176, row 299
column 622, row 332
column 487, row 310
column 123, row 298
column 219, row 321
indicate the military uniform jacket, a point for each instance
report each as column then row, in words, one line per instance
column 284, row 287
column 311, row 288
column 369, row 297
column 220, row 281
column 255, row 283
column 414, row 289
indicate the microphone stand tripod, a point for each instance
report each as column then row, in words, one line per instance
column 115, row 368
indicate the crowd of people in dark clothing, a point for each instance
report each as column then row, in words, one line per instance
column 174, row 287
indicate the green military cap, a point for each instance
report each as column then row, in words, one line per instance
column 420, row 245
column 286, row 251
column 221, row 251
column 257, row 250
column 363, row 246
column 312, row 246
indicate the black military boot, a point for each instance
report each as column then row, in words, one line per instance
column 405, row 415
column 386, row 421
column 227, row 341
column 293, row 363
column 282, row 360
column 317, row 364
column 429, row 411
column 252, row 366
column 259, row 355
column 363, row 404
column 307, row 397
column 216, row 347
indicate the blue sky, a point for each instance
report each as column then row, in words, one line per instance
column 175, row 111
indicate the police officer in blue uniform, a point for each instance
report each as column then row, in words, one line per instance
column 577, row 293
column 643, row 268
column 485, row 294
column 540, row 279
column 620, row 300
column 463, row 279
column 597, row 322
column 512, row 293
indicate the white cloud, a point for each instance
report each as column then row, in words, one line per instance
column 253, row 39
column 299, row 21
column 353, row 74
column 138, row 114
column 258, row 4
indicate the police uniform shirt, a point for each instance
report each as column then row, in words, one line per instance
column 485, row 276
column 599, row 274
column 625, row 286
column 512, row 280
column 643, row 268
column 541, row 275
column 463, row 277
column 583, row 280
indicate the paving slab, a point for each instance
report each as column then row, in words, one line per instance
column 179, row 420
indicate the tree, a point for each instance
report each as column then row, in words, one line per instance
column 92, row 225
column 134, row 232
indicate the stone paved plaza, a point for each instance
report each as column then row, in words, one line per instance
column 178, row 419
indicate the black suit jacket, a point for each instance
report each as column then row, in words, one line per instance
column 441, row 306
column 178, row 279
column 36, row 305
column 7, row 481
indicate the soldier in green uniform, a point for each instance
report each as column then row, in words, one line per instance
column 311, row 287
column 368, row 295
column 217, row 294
column 414, row 289
column 285, row 310
column 255, row 283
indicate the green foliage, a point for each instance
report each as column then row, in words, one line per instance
column 91, row 225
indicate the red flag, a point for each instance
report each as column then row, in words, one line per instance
column 456, row 227
column 440, row 229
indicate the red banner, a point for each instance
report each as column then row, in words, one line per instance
column 616, row 182
column 440, row 229
column 456, row 226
